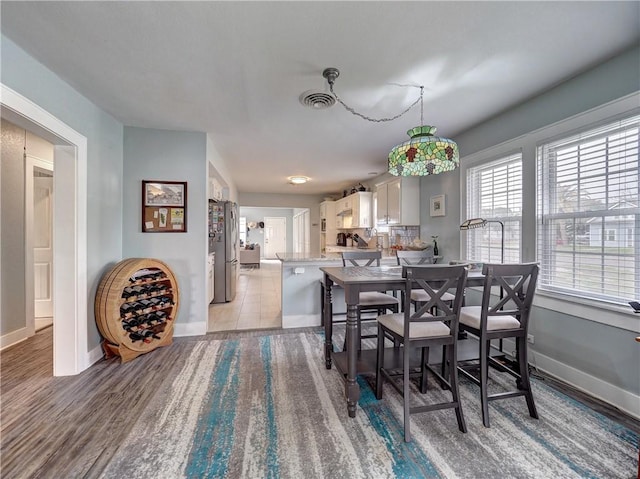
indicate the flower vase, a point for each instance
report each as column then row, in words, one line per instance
column 435, row 248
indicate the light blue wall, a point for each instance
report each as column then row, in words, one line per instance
column 602, row 352
column 26, row 76
column 611, row 80
column 171, row 156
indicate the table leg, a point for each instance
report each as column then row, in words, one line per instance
column 328, row 323
column 352, row 390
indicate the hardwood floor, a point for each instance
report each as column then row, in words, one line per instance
column 71, row 427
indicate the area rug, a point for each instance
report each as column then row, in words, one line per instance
column 266, row 407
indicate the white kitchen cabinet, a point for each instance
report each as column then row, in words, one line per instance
column 215, row 190
column 399, row 202
column 328, row 224
column 354, row 211
column 341, row 208
column 327, row 210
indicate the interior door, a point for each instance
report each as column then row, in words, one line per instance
column 43, row 246
column 275, row 236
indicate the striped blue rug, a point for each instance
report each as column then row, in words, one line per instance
column 266, row 407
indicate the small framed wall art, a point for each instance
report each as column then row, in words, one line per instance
column 164, row 206
column 437, row 206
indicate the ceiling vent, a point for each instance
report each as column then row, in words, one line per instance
column 317, row 99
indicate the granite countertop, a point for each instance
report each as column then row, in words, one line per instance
column 387, row 256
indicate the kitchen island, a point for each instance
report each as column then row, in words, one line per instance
column 301, row 285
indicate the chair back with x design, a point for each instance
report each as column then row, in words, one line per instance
column 361, row 258
column 517, row 284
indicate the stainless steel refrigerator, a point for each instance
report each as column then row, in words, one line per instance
column 223, row 239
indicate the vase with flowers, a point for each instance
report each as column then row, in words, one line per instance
column 435, row 245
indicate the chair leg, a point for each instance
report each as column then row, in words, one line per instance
column 445, row 364
column 453, row 380
column 423, row 369
column 524, row 375
column 406, row 393
column 379, row 363
column 484, row 375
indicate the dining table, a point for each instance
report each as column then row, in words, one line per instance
column 354, row 280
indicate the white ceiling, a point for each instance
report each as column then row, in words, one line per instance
column 236, row 69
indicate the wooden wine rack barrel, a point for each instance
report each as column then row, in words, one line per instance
column 136, row 306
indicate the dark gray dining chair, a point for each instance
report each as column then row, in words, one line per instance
column 501, row 316
column 416, row 258
column 369, row 300
column 422, row 329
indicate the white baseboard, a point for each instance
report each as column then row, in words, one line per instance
column 14, row 337
column 190, row 329
column 300, row 320
column 624, row 400
column 95, row 355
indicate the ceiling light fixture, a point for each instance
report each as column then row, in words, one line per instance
column 298, row 180
column 423, row 154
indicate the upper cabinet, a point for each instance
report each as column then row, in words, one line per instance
column 327, row 210
column 354, row 211
column 215, row 190
column 399, row 202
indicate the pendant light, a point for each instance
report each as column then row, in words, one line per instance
column 423, row 154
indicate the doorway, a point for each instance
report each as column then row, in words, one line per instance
column 71, row 295
column 38, row 232
column 275, row 236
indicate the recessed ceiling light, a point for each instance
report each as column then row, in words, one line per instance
column 298, row 180
column 373, row 173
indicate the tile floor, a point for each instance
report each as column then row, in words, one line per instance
column 257, row 304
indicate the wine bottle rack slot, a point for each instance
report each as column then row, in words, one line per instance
column 135, row 308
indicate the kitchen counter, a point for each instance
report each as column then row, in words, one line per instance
column 387, row 255
column 301, row 278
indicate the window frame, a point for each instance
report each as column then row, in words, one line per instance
column 613, row 315
column 491, row 165
column 582, row 135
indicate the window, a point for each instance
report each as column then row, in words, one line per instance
column 588, row 213
column 494, row 193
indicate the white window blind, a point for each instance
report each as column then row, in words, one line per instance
column 494, row 193
column 588, row 228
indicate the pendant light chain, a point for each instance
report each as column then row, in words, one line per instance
column 379, row 120
column 421, row 105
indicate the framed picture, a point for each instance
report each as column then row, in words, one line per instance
column 437, row 206
column 164, row 206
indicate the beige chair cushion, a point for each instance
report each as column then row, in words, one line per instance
column 395, row 322
column 421, row 296
column 373, row 298
column 470, row 316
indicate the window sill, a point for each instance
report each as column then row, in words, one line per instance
column 597, row 311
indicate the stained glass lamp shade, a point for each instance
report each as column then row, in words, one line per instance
column 423, row 154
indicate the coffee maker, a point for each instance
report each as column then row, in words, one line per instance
column 341, row 239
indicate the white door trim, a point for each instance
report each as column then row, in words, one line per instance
column 70, row 293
